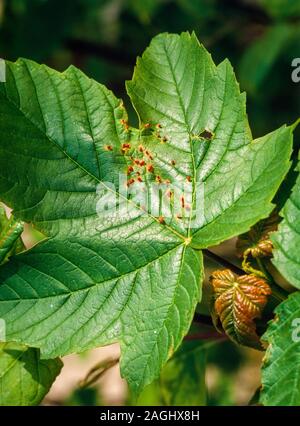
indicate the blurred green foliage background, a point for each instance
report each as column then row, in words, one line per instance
column 103, row 38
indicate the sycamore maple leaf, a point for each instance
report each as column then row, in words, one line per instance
column 134, row 276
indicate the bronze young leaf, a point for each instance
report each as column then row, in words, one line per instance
column 238, row 301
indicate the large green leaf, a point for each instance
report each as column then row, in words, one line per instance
column 287, row 239
column 126, row 276
column 281, row 367
column 189, row 95
column 24, row 378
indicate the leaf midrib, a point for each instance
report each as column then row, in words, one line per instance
column 189, row 136
column 83, row 168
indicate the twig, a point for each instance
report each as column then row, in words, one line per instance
column 221, row 261
column 206, row 336
column 277, row 291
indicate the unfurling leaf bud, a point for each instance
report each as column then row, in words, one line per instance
column 237, row 302
column 256, row 242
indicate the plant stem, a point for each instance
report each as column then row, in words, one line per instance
column 97, row 371
column 218, row 259
column 263, row 269
column 277, row 291
column 206, row 336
